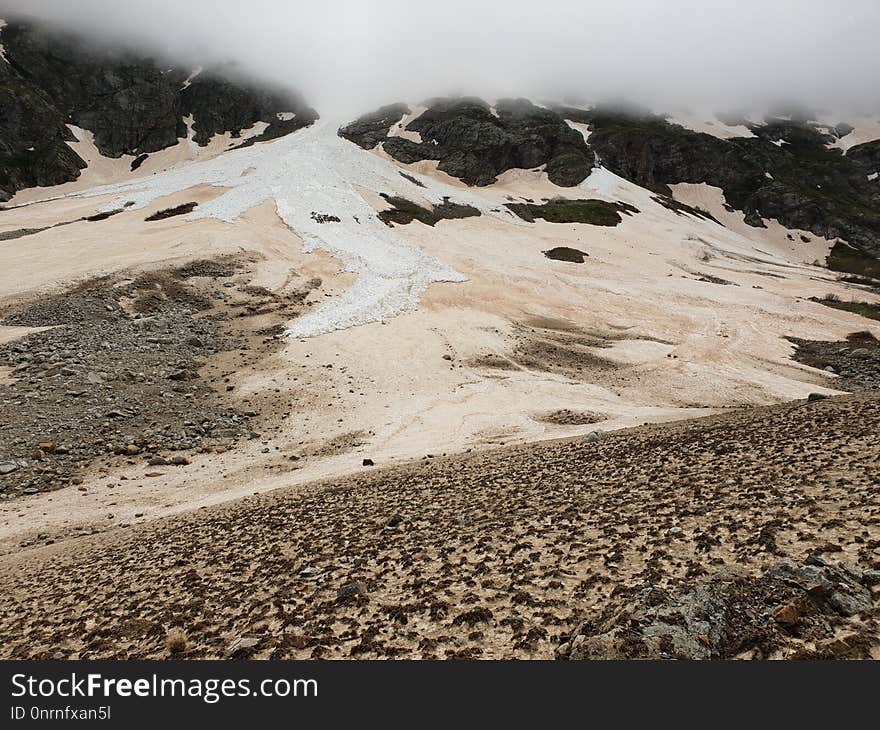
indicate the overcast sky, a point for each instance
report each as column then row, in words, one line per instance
column 348, row 55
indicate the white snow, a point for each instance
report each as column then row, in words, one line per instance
column 286, row 116
column 584, row 129
column 779, row 142
column 873, row 176
column 604, row 182
column 400, row 129
column 189, row 80
column 705, row 122
column 316, row 171
column 865, row 129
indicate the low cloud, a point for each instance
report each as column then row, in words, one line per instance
column 350, row 55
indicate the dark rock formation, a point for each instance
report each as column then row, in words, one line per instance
column 373, row 128
column 867, row 154
column 855, row 362
column 138, row 161
column 560, row 210
column 162, row 215
column 791, row 610
column 132, row 105
column 33, row 149
column 129, row 104
column 679, row 208
column 799, row 182
column 475, row 145
column 405, row 211
column 569, row 255
column 219, row 104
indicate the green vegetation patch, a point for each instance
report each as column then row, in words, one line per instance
column 560, row 210
column 864, row 309
column 405, row 211
column 846, row 259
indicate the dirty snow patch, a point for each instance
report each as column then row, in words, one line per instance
column 315, row 170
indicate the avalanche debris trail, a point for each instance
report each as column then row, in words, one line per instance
column 313, row 177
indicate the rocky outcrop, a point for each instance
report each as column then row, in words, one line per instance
column 569, row 255
column 132, row 105
column 33, row 136
column 786, row 172
column 404, row 212
column 866, row 154
column 129, row 104
column 218, row 104
column 476, row 143
column 371, row 129
column 791, row 611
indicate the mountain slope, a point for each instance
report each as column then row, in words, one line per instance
column 294, row 302
column 131, row 106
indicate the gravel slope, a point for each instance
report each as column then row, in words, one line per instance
column 499, row 554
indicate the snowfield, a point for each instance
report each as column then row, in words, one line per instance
column 311, row 174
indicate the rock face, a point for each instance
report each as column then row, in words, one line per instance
column 785, row 172
column 131, row 105
column 220, row 105
column 373, row 128
column 476, row 144
column 792, row 610
column 32, row 137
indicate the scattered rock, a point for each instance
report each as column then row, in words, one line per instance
column 351, row 592
column 787, row 614
column 241, row 646
column 723, row 616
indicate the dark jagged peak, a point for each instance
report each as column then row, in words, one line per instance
column 798, row 138
column 475, row 143
column 130, row 103
column 371, row 129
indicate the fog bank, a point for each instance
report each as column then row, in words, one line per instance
column 347, row 56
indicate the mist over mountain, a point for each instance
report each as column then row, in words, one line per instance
column 346, row 56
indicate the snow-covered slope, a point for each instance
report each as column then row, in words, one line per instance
column 450, row 336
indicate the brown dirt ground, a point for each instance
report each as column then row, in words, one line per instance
column 494, row 555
